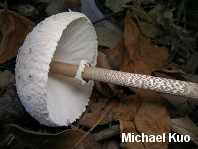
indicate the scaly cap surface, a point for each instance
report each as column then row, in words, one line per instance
column 55, row 100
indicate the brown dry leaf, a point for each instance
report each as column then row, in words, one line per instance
column 146, row 23
column 89, row 141
column 105, row 89
column 152, row 118
column 111, row 144
column 182, row 105
column 158, row 13
column 73, row 3
column 114, row 58
column 125, row 112
column 6, row 77
column 176, row 74
column 144, row 112
column 95, row 110
column 185, row 126
column 14, row 28
column 120, row 48
column 140, row 55
column 145, row 2
column 141, row 114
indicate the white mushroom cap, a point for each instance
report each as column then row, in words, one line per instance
column 55, row 100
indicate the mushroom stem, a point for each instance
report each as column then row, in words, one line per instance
column 64, row 69
column 163, row 85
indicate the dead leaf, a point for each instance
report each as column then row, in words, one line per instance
column 111, row 144
column 181, row 145
column 64, row 139
column 176, row 74
column 185, row 126
column 140, row 55
column 103, row 61
column 27, row 10
column 152, row 118
column 143, row 112
column 114, row 58
column 6, row 77
column 145, row 2
column 146, row 23
column 14, row 28
column 73, row 3
column 157, row 13
column 11, row 109
column 120, row 48
column 90, row 141
column 168, row 14
column 182, row 105
column 103, row 88
column 96, row 124
column 116, row 5
column 111, row 132
column 57, row 6
column 95, row 110
column 125, row 112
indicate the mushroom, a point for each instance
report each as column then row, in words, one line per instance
column 55, row 100
column 65, row 45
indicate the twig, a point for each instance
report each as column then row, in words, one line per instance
column 94, row 125
column 107, row 133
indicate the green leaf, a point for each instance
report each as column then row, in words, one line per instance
column 65, row 139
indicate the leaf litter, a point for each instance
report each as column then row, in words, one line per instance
column 185, row 126
column 14, row 29
column 145, row 106
column 147, row 34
